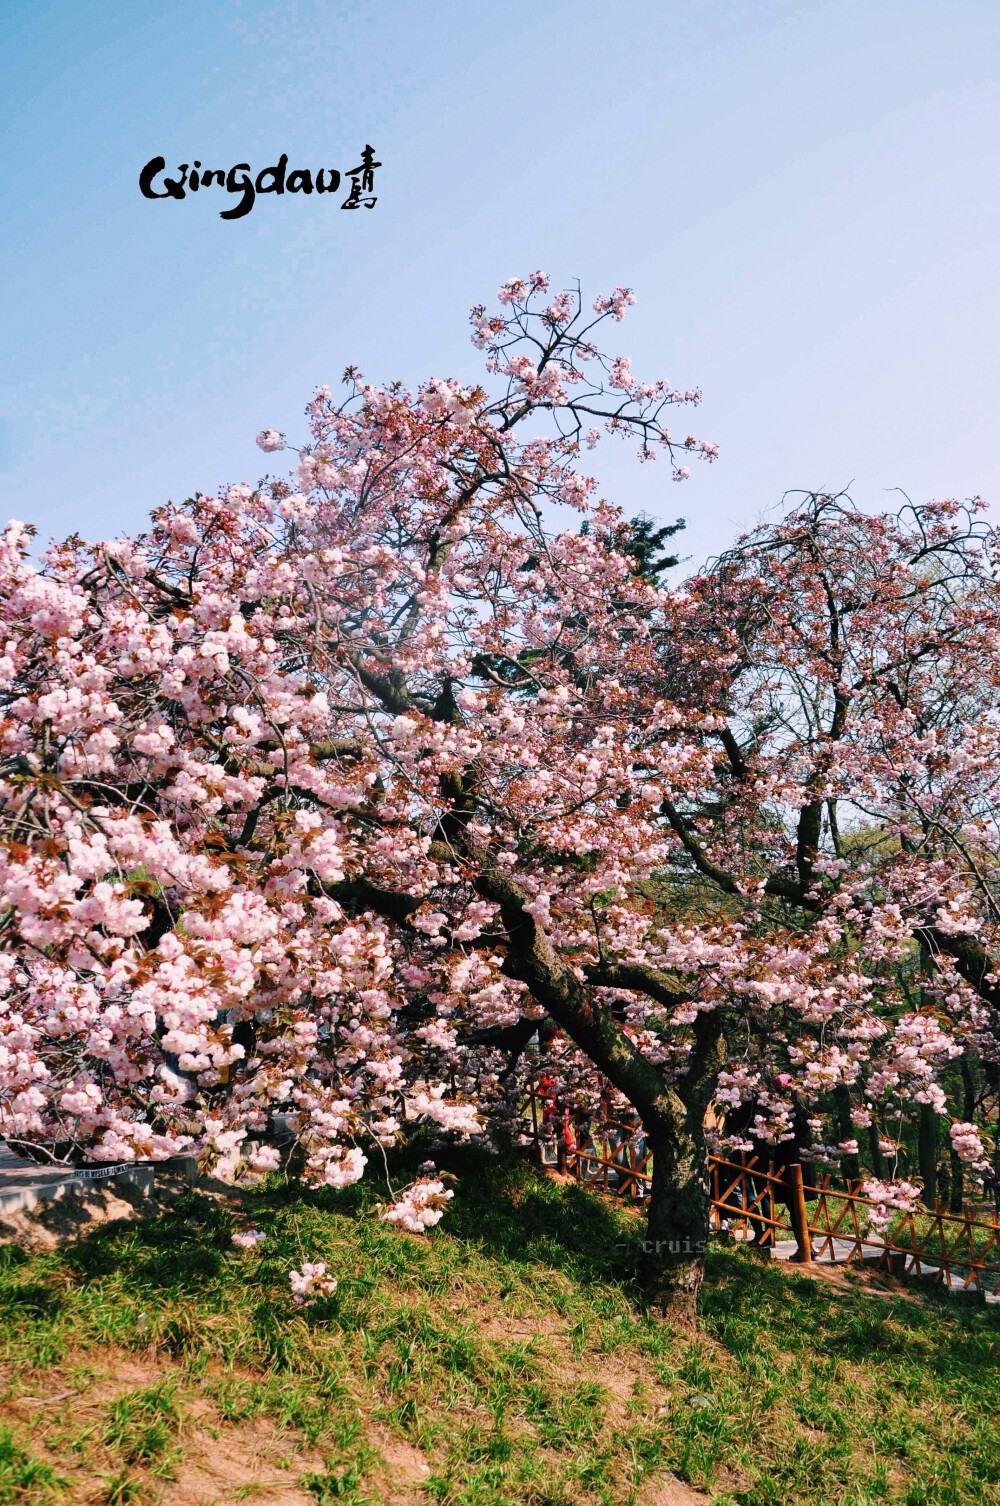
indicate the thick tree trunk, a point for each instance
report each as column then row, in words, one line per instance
column 673, row 1115
column 927, row 1142
column 673, row 1258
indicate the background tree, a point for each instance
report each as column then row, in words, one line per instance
column 857, row 780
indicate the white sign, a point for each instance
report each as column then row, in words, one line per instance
column 98, row 1173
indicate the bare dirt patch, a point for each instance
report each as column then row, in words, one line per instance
column 673, row 1492
column 406, row 1472
column 220, row 1462
column 56, row 1388
column 245, row 1461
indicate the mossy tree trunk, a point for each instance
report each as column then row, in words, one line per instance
column 927, row 1146
column 672, row 1266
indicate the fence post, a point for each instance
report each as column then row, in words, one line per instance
column 800, row 1215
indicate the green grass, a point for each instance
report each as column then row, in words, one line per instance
column 22, row 1476
column 506, row 1358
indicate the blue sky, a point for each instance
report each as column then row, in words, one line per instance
column 802, row 195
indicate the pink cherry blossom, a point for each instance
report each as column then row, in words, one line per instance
column 420, row 1207
column 247, row 1239
column 311, row 1283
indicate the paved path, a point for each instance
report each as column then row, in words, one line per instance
column 24, row 1184
column 785, row 1249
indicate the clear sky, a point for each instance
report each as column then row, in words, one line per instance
column 803, row 196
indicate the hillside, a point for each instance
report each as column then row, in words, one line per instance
column 503, row 1359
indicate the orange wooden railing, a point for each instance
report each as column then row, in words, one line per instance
column 756, row 1202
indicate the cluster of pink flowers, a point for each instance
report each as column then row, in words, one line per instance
column 616, row 304
column 420, row 1207
column 311, row 1283
column 968, row 1146
column 888, row 1200
column 247, row 1239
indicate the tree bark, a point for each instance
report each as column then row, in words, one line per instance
column 673, row 1259
column 957, row 1189
column 673, row 1115
column 956, row 1183
column 927, row 1139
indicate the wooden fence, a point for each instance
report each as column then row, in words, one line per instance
column 757, row 1203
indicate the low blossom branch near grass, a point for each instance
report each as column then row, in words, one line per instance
column 311, row 1283
column 420, row 1207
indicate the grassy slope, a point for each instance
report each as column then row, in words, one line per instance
column 503, row 1359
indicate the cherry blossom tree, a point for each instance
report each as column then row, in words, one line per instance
column 856, row 787
column 276, row 775
column 328, row 798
